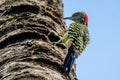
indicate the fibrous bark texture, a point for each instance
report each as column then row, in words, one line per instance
column 27, row 30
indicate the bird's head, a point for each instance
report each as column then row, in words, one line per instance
column 79, row 17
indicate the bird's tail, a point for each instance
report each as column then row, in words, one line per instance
column 69, row 60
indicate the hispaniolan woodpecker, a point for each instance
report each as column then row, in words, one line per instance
column 75, row 39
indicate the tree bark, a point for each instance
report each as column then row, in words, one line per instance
column 27, row 29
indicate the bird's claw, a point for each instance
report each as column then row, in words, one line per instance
column 59, row 44
column 54, row 43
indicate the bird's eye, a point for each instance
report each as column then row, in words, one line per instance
column 83, row 19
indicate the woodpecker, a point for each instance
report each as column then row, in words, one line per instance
column 75, row 39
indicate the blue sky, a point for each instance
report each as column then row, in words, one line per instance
column 101, row 58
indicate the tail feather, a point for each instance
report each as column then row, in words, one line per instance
column 71, row 63
column 69, row 60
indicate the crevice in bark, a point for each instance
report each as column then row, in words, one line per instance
column 21, row 37
column 40, row 23
column 44, row 62
column 48, row 12
column 22, row 9
column 47, row 23
column 7, row 29
column 30, row 77
column 53, row 38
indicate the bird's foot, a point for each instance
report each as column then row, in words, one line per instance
column 55, row 43
column 59, row 44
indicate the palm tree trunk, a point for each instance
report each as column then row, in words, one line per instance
column 27, row 29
